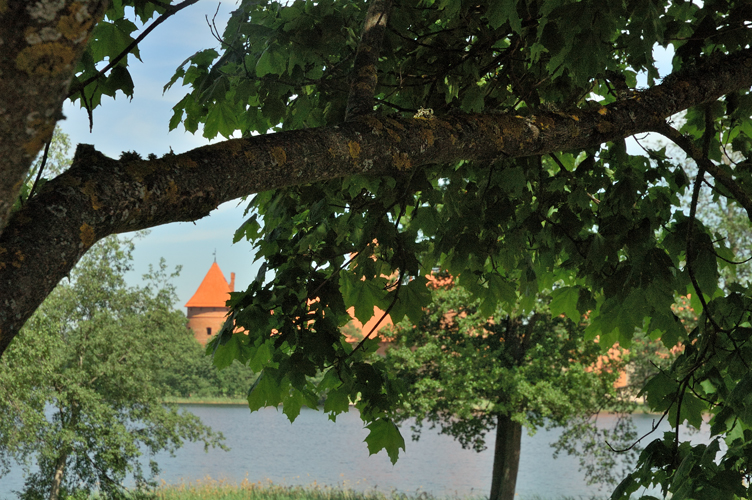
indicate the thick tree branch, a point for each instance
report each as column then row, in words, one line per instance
column 365, row 77
column 99, row 196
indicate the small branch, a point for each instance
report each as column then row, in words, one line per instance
column 383, row 316
column 365, row 78
column 720, row 175
column 654, row 427
column 41, row 168
column 169, row 12
column 344, row 265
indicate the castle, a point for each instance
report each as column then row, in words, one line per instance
column 207, row 309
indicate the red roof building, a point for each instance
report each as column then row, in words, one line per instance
column 206, row 309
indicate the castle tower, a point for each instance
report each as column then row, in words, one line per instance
column 207, row 309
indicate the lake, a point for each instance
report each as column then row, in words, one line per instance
column 266, row 447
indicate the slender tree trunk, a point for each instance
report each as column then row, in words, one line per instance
column 506, row 459
column 57, row 479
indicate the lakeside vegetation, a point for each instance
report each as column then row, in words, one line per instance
column 213, row 489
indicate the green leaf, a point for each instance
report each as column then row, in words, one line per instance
column 472, row 102
column 692, row 409
column 220, row 120
column 363, row 295
column 501, row 11
column 228, row 352
column 596, row 255
column 118, row 79
column 670, row 328
column 270, row 62
column 337, row 401
column 564, row 301
column 261, row 356
column 384, row 435
column 111, row 39
column 501, row 290
column 292, row 404
column 266, row 391
column 513, row 180
column 412, row 298
column 660, row 391
column 249, row 230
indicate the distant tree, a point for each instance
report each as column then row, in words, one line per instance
column 91, row 403
column 192, row 374
column 469, row 375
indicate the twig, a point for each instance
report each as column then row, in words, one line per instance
column 170, row 11
column 383, row 316
column 653, row 427
column 690, row 230
column 41, row 168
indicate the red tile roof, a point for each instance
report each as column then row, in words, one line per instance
column 213, row 291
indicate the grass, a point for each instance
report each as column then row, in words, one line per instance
column 212, row 489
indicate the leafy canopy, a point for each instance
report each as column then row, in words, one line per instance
column 609, row 230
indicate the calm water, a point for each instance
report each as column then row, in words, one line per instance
column 266, row 447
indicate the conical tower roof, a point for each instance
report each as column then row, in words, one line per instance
column 214, row 291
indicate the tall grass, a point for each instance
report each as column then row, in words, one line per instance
column 213, row 489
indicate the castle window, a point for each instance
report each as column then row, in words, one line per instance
column 208, row 332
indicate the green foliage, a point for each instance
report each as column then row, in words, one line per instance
column 613, row 232
column 463, row 369
column 191, row 374
column 92, row 402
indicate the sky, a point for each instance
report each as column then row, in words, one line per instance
column 141, row 125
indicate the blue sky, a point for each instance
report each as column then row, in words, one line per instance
column 142, row 125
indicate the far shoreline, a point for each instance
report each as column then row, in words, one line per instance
column 207, row 401
column 640, row 410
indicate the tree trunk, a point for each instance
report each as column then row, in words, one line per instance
column 506, row 459
column 57, row 479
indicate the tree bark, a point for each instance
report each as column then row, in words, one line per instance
column 41, row 45
column 506, row 459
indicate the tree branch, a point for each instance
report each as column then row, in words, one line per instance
column 99, row 196
column 719, row 173
column 365, row 77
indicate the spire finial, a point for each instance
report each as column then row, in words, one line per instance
column 215, row 255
